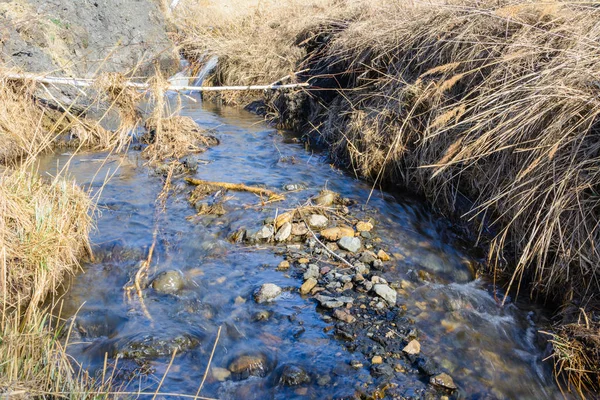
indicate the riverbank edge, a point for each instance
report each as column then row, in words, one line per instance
column 339, row 109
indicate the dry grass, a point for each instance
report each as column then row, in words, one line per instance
column 490, row 108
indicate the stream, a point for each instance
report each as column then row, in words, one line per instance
column 490, row 351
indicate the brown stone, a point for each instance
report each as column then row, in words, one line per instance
column 376, row 360
column 308, row 285
column 283, row 265
column 444, row 380
column 283, row 218
column 413, row 347
column 364, row 226
column 331, row 234
column 344, row 316
column 383, row 256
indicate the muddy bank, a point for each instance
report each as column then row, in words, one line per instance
column 80, row 39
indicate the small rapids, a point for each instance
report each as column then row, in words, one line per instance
column 288, row 344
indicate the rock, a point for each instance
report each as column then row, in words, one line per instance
column 267, row 293
column 383, row 256
column 283, row 219
column 317, row 221
column 168, row 282
column 253, row 364
column 261, row 315
column 312, row 272
column 368, row 285
column 377, row 279
column 378, row 265
column 333, row 302
column 367, row 257
column 149, row 347
column 284, row 232
column 331, row 234
column 356, row 364
column 239, row 300
column 346, row 231
column 366, row 235
column 385, row 370
column 325, row 198
column 351, row 244
column 299, row 229
column 413, row 347
column 361, row 268
column 386, row 293
column 220, row 374
column 292, row 187
column 324, row 380
column 308, row 285
column 303, row 260
column 364, row 226
column 284, row 265
column 265, row 233
column 444, row 380
column 376, row 360
column 292, row 375
column 344, row 316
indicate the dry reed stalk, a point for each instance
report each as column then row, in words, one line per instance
column 237, row 187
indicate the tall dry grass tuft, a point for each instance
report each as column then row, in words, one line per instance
column 490, row 108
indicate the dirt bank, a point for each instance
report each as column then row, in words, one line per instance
column 82, row 38
column 489, row 109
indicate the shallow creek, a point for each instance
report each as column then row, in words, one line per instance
column 488, row 350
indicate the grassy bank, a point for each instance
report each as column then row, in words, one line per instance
column 489, row 108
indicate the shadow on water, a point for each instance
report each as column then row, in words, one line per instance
column 491, row 352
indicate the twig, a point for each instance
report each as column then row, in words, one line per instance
column 238, row 187
column 81, row 82
column 324, row 246
column 165, row 374
column 209, row 361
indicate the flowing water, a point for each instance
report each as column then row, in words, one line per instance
column 489, row 350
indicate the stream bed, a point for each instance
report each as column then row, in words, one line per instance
column 292, row 346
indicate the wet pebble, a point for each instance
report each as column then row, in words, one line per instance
column 383, row 256
column 266, row 293
column 444, row 380
column 312, row 271
column 385, row 370
column 246, row 365
column 325, row 198
column 292, row 375
column 168, row 282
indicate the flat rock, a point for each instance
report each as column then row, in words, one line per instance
column 413, row 347
column 333, row 302
column 299, row 229
column 386, row 293
column 344, row 316
column 266, row 293
column 351, row 244
column 284, row 232
column 444, row 380
column 317, row 221
column 308, row 285
column 325, row 198
column 265, row 233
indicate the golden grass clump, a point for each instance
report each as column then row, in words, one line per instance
column 44, row 229
column 175, row 137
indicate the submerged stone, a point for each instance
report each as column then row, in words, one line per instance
column 168, row 282
column 444, row 380
column 292, row 375
column 250, row 364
